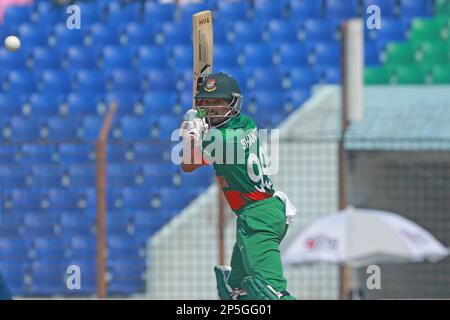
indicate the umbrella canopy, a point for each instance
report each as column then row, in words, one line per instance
column 360, row 237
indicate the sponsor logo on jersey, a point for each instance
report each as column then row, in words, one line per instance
column 210, row 85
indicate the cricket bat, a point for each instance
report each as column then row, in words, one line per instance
column 203, row 48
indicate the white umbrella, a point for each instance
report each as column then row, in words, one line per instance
column 360, row 237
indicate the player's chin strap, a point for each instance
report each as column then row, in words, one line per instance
column 235, row 105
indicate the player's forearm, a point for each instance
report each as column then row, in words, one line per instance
column 192, row 156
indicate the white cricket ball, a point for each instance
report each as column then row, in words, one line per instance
column 12, row 43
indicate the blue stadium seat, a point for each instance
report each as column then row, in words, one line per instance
column 117, row 223
column 10, row 224
column 116, row 58
column 268, row 10
column 122, row 246
column 244, row 32
column 232, row 10
column 225, row 56
column 12, row 177
column 152, row 57
column 299, row 78
column 136, row 128
column 82, row 247
column 77, row 57
column 39, row 153
column 119, row 153
column 166, row 124
column 147, row 223
column 371, row 54
column 314, row 30
column 75, row 153
column 43, row 104
column 45, row 176
column 173, row 33
column 136, row 198
column 21, row 130
column 90, row 80
column 90, row 128
column 157, row 103
column 49, row 13
column 327, row 53
column 329, row 74
column 187, row 9
column 281, row 31
column 222, row 31
column 126, row 277
column 124, row 80
column 264, row 79
column 15, row 274
column 48, row 248
column 101, row 35
column 81, row 104
column 20, row 81
column 119, row 174
column 196, row 179
column 10, row 105
column 256, row 55
column 61, row 129
column 139, row 34
column 416, row 8
column 91, row 13
column 161, row 174
column 81, row 175
column 160, row 80
column 391, row 30
column 341, row 9
column 388, row 8
column 31, row 37
column 292, row 55
column 11, row 60
column 169, row 202
column 46, row 58
column 295, row 98
column 38, row 224
column 14, row 250
column 48, row 278
column 63, row 199
column 15, row 15
column 304, row 9
column 63, row 37
column 263, row 103
column 9, row 154
column 158, row 13
column 57, row 81
column 126, row 99
column 182, row 57
column 119, row 11
column 143, row 151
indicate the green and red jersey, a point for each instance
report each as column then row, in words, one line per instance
column 243, row 175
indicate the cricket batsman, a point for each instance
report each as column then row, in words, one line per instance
column 263, row 215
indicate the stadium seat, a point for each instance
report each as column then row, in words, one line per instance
column 126, row 99
column 434, row 53
column 49, row 248
column 281, row 31
column 126, row 277
column 295, row 98
column 387, row 7
column 256, row 55
column 315, row 30
column 81, row 175
column 140, row 34
column 268, row 10
column 329, row 74
column 291, row 55
column 117, row 223
column 136, row 198
column 76, row 224
column 232, row 11
column 123, row 11
column 376, row 75
column 48, row 13
column 122, row 246
column 144, row 151
column 157, row 103
column 45, row 58
column 119, row 153
column 15, row 15
column 173, row 33
column 15, row 273
column 187, row 9
column 182, row 57
column 441, row 74
column 410, row 74
column 135, row 128
column 31, row 37
column 80, row 58
column 82, row 247
column 304, row 9
column 14, row 177
column 120, row 174
column 262, row 102
column 63, row 199
column 10, row 224
column 43, row 104
column 9, row 154
column 100, row 35
column 124, row 80
column 75, row 153
column 63, row 37
column 48, row 278
column 341, row 9
column 327, row 54
column 90, row 128
column 20, row 81
column 146, row 223
column 169, row 202
column 14, row 250
column 245, row 32
column 116, row 58
column 90, row 80
column 392, row 29
column 426, row 30
column 45, row 176
column 400, row 53
column 11, row 60
column 39, row 154
column 299, row 78
column 21, row 130
column 371, row 54
column 166, row 124
column 160, row 80
column 10, row 105
column 264, row 79
column 80, row 104
column 57, row 81
column 158, row 13
column 91, row 13
column 38, row 224
column 152, row 57
column 57, row 129
column 225, row 56
column 414, row 8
